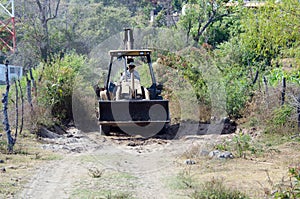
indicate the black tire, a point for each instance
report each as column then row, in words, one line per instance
column 104, row 130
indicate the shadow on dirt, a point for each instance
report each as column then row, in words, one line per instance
column 179, row 130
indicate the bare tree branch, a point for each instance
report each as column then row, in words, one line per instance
column 55, row 13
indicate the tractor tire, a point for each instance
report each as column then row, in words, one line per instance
column 104, row 130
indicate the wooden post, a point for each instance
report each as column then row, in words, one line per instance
column 33, row 82
column 256, row 77
column 22, row 106
column 16, row 109
column 10, row 139
column 283, row 91
column 267, row 91
column 28, row 88
column 298, row 111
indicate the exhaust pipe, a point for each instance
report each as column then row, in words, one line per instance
column 128, row 39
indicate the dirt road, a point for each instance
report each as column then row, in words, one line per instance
column 94, row 166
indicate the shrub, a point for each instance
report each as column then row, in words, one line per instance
column 291, row 188
column 281, row 120
column 241, row 144
column 56, row 85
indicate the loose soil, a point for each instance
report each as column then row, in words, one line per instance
column 95, row 166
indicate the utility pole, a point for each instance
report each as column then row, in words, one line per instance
column 7, row 26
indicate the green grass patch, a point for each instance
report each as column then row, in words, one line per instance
column 215, row 189
column 270, row 139
column 192, row 187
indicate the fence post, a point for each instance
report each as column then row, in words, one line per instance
column 283, row 91
column 267, row 91
column 10, row 139
column 298, row 112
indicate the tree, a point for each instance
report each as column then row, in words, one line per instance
column 272, row 31
column 33, row 20
column 48, row 10
column 198, row 15
column 90, row 25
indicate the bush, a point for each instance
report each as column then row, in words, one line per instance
column 281, row 120
column 56, row 85
column 291, row 188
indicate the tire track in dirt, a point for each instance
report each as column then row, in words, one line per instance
column 151, row 162
column 53, row 180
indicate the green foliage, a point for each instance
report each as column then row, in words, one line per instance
column 277, row 74
column 178, row 4
column 145, row 75
column 243, row 40
column 215, row 189
column 225, row 146
column 56, row 86
column 160, row 19
column 200, row 15
column 272, row 29
column 281, row 115
column 191, row 73
column 280, row 120
column 92, row 24
column 237, row 90
column 241, row 144
column 292, row 190
column 230, row 61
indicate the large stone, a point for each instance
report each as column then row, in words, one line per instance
column 226, row 155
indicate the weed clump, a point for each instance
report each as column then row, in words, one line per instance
column 215, row 189
column 291, row 187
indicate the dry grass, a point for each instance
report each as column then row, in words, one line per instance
column 262, row 112
column 250, row 176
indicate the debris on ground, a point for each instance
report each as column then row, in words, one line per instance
column 221, row 155
column 3, row 170
column 189, row 162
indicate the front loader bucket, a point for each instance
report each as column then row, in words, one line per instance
column 143, row 117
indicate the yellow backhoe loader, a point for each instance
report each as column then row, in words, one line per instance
column 126, row 103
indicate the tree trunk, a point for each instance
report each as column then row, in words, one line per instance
column 46, row 14
column 44, row 48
